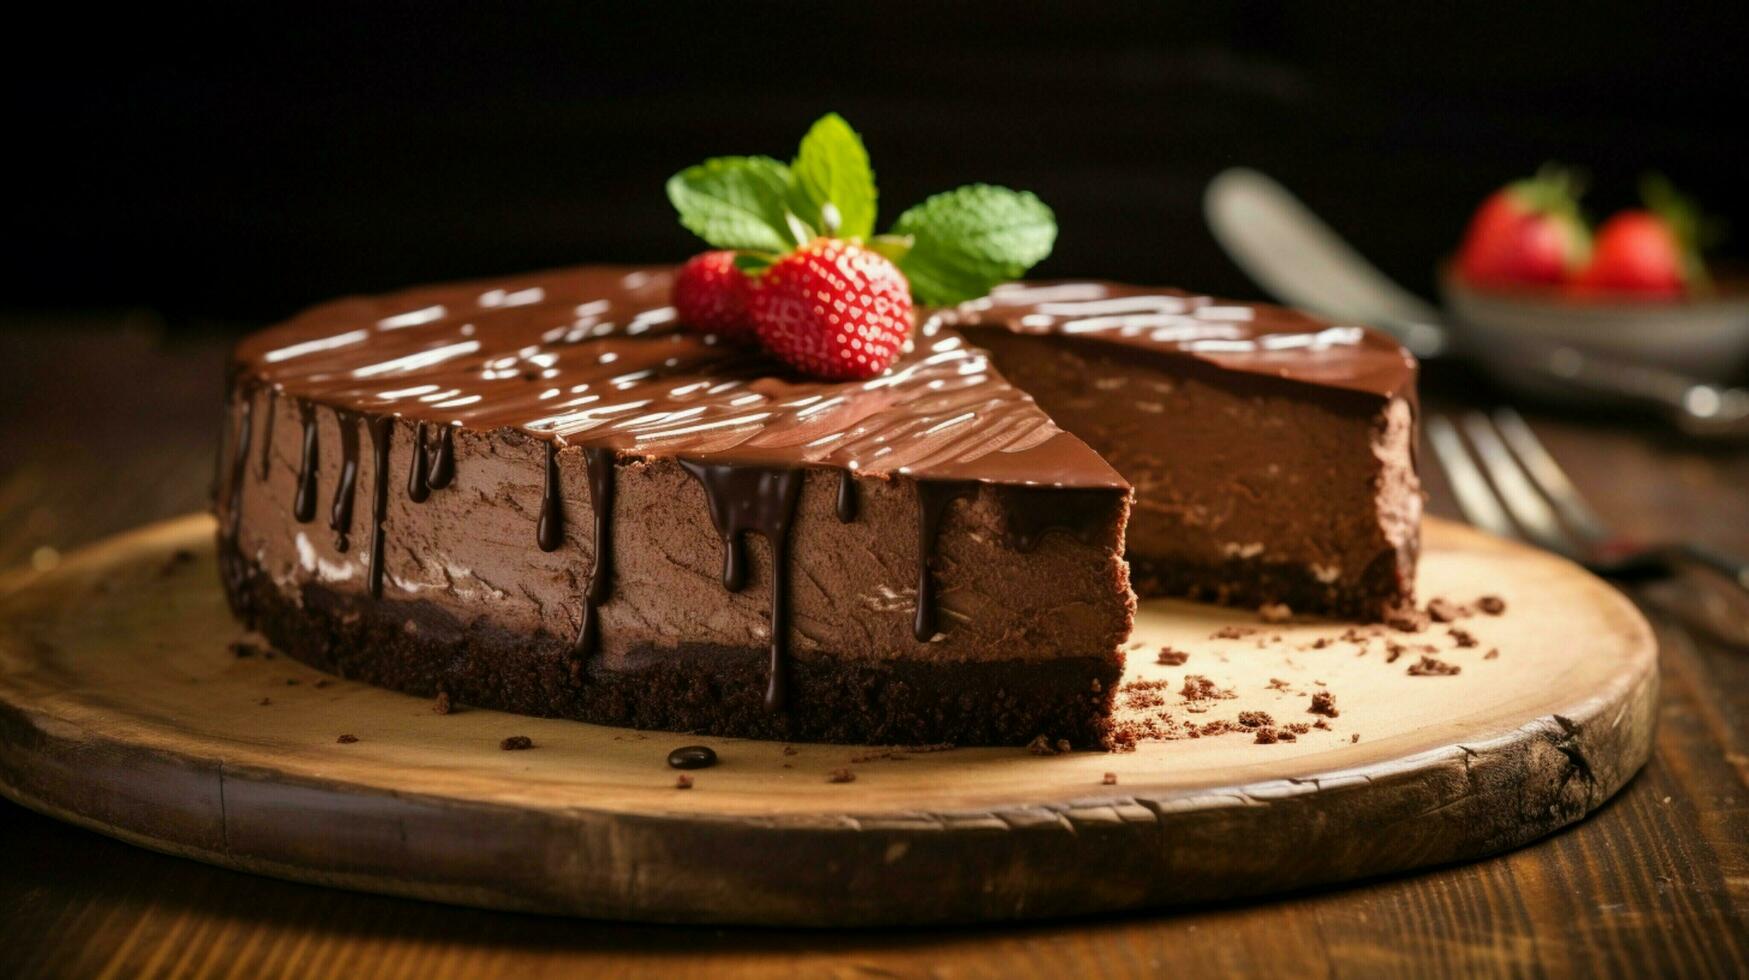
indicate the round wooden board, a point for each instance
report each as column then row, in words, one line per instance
column 123, row 710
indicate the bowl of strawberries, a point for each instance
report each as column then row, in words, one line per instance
column 1531, row 272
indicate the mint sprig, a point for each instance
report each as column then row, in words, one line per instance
column 952, row 247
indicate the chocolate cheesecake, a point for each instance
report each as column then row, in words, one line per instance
column 544, row 495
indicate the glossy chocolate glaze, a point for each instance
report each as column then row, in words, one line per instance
column 593, row 357
column 1253, row 338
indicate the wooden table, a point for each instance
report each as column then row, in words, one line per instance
column 104, row 425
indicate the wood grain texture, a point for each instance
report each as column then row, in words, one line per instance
column 123, row 710
column 1656, row 882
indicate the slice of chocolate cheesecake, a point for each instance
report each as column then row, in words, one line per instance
column 1272, row 454
column 542, row 495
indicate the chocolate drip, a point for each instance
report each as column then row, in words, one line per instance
column 340, row 514
column 443, row 461
column 761, row 499
column 550, row 532
column 933, row 496
column 267, row 431
column 381, row 428
column 304, row 505
column 1034, row 511
column 846, row 496
column 600, row 466
column 430, row 471
column 419, row 474
column 240, row 462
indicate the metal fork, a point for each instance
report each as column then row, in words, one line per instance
column 1527, row 494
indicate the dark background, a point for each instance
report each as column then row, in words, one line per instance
column 222, row 164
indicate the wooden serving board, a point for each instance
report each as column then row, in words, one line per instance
column 122, row 709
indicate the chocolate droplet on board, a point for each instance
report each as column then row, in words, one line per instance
column 692, row 757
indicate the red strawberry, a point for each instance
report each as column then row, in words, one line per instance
column 1526, row 232
column 1652, row 252
column 710, row 296
column 1636, row 252
column 833, row 310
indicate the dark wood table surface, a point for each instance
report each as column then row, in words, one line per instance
column 108, row 421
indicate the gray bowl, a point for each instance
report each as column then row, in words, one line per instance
column 1705, row 338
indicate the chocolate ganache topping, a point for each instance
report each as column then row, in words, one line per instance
column 593, row 358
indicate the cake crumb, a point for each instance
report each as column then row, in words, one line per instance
column 1110, row 779
column 1232, row 633
column 1321, row 642
column 1041, row 745
column 878, row 755
column 1492, row 654
column 1393, row 650
column 1275, row 612
column 789, row 750
column 516, row 742
column 347, row 739
column 1321, row 725
column 1493, row 605
column 1256, row 719
column 1171, row 657
column 243, row 648
column 682, row 781
column 1463, row 637
column 841, row 775
column 177, row 559
column 1277, row 684
column 1286, row 736
column 1409, row 620
column 1354, row 738
column 1265, row 736
column 1063, row 745
column 1324, row 703
column 1444, row 611
column 441, row 704
column 1432, row 667
column 1200, row 688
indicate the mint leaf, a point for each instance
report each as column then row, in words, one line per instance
column 735, row 202
column 971, row 238
column 831, row 168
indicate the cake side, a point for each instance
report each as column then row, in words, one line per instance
column 486, row 586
